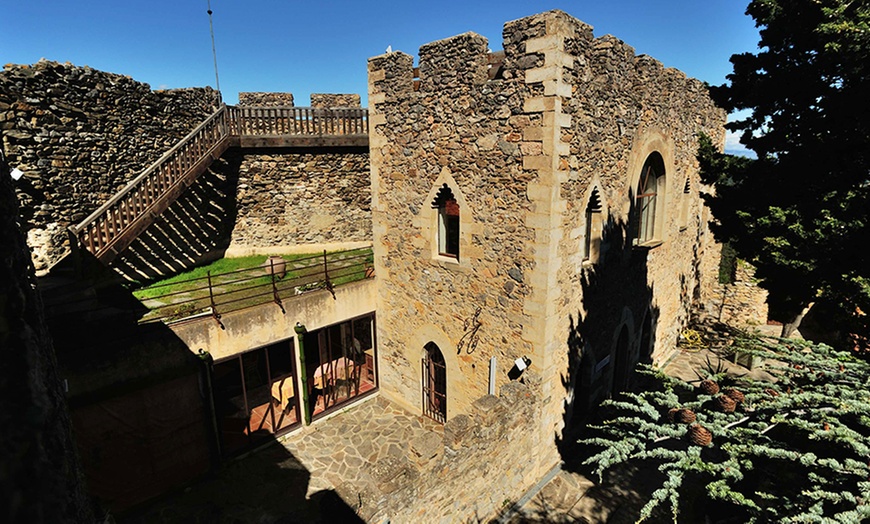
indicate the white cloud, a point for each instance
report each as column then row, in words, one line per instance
column 732, row 142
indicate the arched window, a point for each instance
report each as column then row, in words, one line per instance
column 434, row 383
column 448, row 222
column 650, row 190
column 592, row 237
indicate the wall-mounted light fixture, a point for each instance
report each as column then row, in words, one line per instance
column 520, row 365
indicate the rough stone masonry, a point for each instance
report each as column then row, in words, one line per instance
column 79, row 135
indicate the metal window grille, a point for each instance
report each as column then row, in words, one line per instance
column 434, row 385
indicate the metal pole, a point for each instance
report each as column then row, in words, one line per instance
column 300, row 336
column 213, row 52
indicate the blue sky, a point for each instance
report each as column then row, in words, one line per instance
column 322, row 46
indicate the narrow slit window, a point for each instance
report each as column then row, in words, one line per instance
column 684, row 206
column 592, row 237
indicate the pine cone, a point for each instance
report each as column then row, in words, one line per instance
column 734, row 394
column 684, row 416
column 726, row 404
column 672, row 413
column 700, row 435
column 772, row 392
column 709, row 387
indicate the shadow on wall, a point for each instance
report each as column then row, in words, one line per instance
column 139, row 412
column 617, row 331
column 270, row 485
column 194, row 230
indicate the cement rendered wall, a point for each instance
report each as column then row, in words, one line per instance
column 522, row 153
column 263, row 325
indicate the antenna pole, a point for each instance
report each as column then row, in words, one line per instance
column 213, row 52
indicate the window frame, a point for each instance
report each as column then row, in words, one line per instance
column 448, row 230
column 650, row 203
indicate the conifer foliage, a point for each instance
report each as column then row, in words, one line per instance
column 794, row 450
column 799, row 212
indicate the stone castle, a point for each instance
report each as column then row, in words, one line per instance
column 535, row 216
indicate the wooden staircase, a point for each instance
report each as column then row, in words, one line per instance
column 117, row 223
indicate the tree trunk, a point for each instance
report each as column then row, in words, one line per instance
column 790, row 327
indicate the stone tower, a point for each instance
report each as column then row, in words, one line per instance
column 541, row 204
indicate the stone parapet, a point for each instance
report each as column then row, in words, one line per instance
column 326, row 100
column 741, row 303
column 266, row 99
column 483, row 463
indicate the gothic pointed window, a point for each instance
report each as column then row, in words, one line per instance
column 448, row 222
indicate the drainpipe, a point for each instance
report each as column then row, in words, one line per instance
column 300, row 335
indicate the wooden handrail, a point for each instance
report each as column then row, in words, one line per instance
column 115, row 224
column 149, row 170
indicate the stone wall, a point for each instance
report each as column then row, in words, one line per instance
column 325, row 100
column 618, row 110
column 79, row 135
column 302, row 198
column 742, row 302
column 523, row 150
column 40, row 473
column 266, row 99
column 482, row 464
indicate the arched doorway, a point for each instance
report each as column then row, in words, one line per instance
column 646, row 340
column 434, row 383
column 621, row 364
